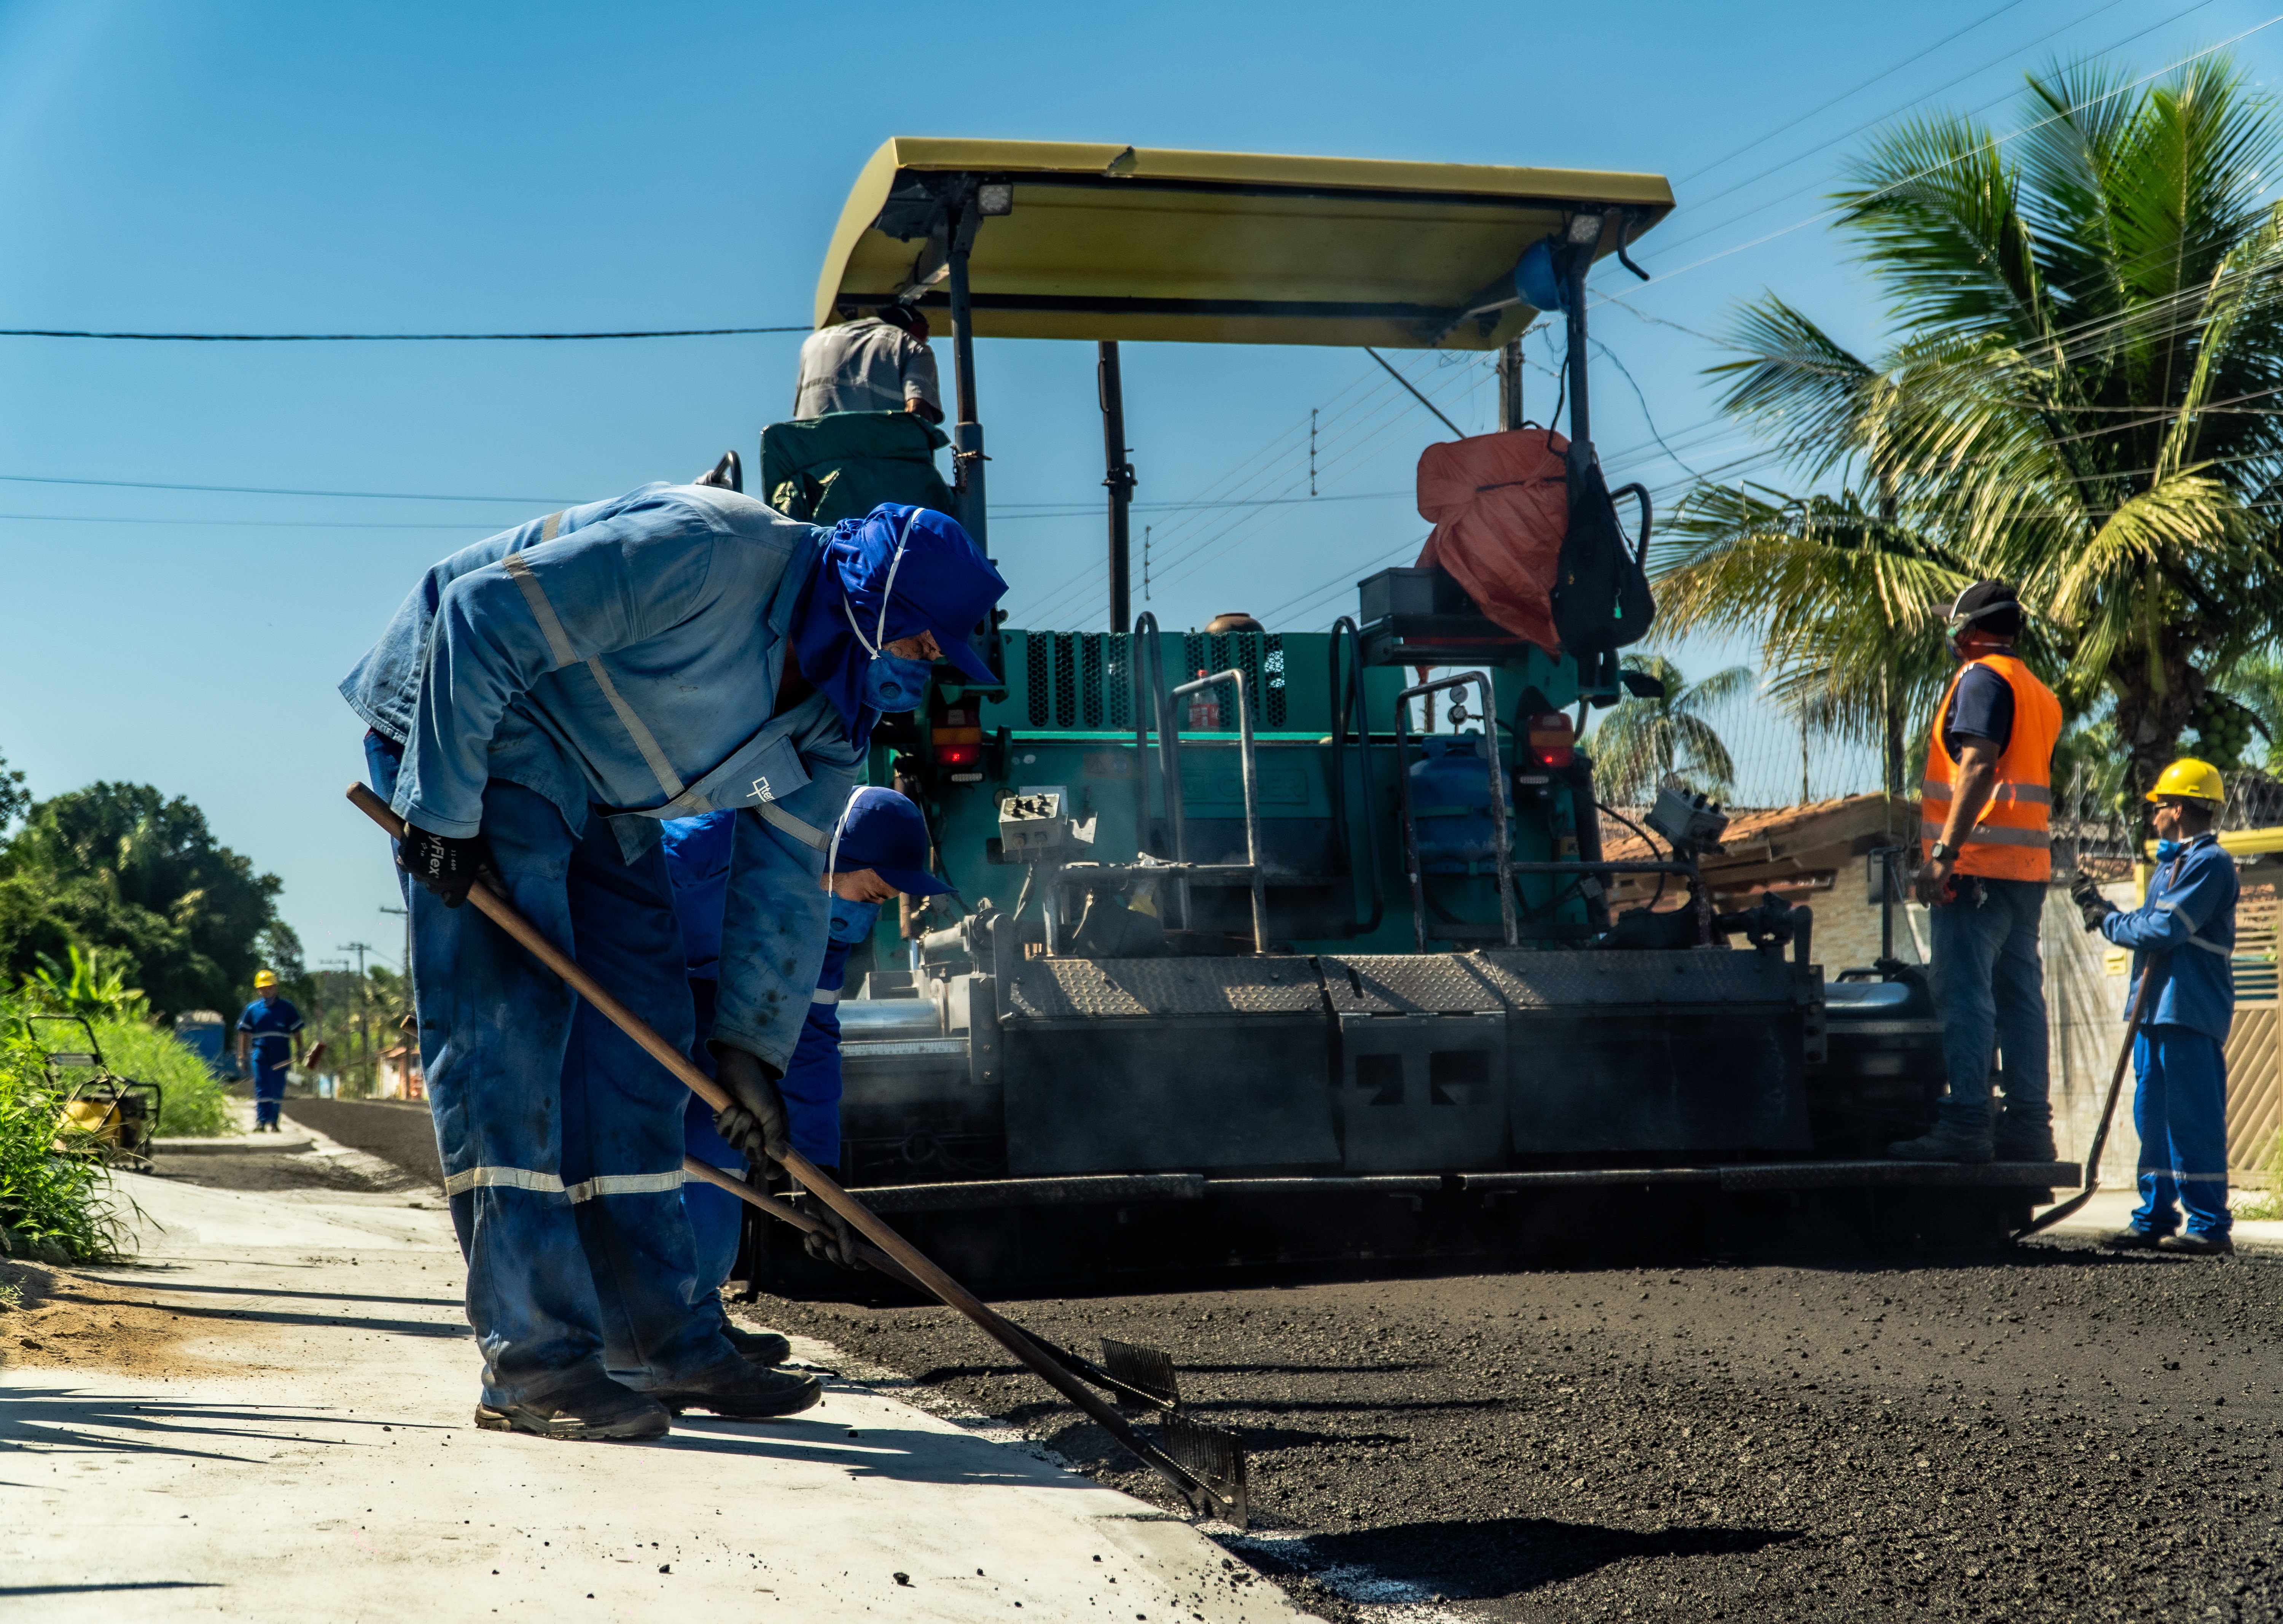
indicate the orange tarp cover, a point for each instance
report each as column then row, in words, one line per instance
column 1500, row 506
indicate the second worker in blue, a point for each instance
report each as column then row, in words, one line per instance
column 878, row 850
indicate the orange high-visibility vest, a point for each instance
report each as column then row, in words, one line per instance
column 2013, row 840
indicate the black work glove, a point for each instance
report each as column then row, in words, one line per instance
column 754, row 1121
column 446, row 865
column 839, row 1242
column 2091, row 905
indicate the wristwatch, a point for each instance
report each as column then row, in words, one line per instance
column 1942, row 851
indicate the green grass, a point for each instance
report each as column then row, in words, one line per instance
column 194, row 1105
column 54, row 1207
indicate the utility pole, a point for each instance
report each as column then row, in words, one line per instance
column 1118, row 477
column 364, row 1043
column 406, row 915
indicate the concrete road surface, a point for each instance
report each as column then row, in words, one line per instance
column 267, row 1416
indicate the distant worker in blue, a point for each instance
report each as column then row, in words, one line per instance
column 879, row 849
column 2184, row 936
column 540, row 705
column 269, row 1040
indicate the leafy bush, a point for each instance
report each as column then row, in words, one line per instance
column 52, row 1204
column 193, row 1103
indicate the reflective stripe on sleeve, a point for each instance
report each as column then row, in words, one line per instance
column 558, row 645
column 827, row 994
column 807, row 833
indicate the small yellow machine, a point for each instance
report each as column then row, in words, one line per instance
column 112, row 1116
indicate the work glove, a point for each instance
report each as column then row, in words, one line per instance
column 2091, row 905
column 754, row 1120
column 446, row 865
column 839, row 1242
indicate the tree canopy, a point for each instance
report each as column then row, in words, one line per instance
column 2080, row 397
column 121, row 869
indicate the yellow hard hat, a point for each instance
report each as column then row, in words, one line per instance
column 2189, row 779
column 265, row 978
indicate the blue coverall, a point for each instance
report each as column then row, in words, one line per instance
column 272, row 1023
column 2184, row 935
column 563, row 688
column 697, row 859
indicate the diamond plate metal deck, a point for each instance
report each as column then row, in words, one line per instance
column 1408, row 984
column 1134, row 988
column 1551, row 979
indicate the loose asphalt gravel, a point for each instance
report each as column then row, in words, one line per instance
column 2054, row 1433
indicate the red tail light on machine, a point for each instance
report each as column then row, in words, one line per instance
column 955, row 739
column 1553, row 741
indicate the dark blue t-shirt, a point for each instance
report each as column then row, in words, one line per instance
column 1980, row 707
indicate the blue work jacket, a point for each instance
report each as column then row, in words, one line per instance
column 2188, row 925
column 271, row 1026
column 622, row 659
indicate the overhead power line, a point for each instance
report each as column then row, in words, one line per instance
column 274, row 490
column 390, row 338
column 1665, row 278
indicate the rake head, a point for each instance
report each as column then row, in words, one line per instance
column 1214, row 1458
column 1148, row 1370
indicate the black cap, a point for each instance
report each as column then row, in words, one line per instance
column 901, row 315
column 1990, row 606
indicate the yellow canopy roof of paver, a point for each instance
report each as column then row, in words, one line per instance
column 1144, row 243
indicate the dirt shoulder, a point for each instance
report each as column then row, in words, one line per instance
column 57, row 1319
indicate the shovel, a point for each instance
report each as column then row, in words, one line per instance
column 2054, row 1215
column 1203, row 1464
column 1141, row 1376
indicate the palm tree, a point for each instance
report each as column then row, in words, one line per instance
column 2081, row 400
column 1642, row 740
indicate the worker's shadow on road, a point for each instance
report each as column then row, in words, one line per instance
column 1509, row 1556
column 74, row 1420
column 904, row 1455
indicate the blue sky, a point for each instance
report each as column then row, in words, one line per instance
column 198, row 167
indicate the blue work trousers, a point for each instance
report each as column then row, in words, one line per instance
column 269, row 1092
column 2179, row 1107
column 561, row 1140
column 1989, row 988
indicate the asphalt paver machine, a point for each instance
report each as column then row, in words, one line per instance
column 1244, row 967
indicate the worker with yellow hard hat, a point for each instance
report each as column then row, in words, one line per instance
column 268, row 1039
column 2184, row 937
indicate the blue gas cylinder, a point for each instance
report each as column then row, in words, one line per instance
column 1451, row 805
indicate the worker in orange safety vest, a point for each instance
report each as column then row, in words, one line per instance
column 1986, row 846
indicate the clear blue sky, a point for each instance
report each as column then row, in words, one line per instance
column 208, row 166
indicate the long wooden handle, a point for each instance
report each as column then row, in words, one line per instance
column 2091, row 1180
column 908, row 1258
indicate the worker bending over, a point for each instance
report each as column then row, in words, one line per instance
column 540, row 704
column 877, row 362
column 2184, row 936
column 1988, row 858
column 268, row 1039
column 879, row 849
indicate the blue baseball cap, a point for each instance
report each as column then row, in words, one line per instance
column 885, row 833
